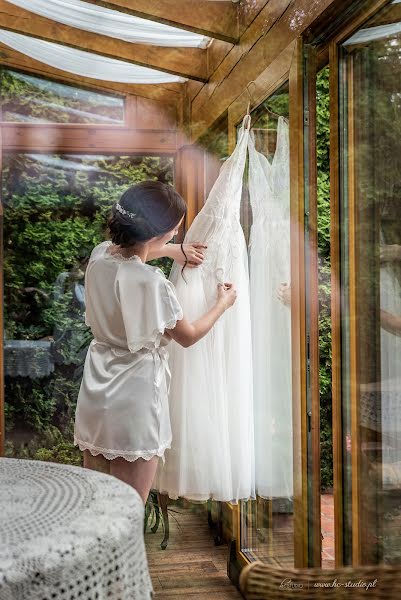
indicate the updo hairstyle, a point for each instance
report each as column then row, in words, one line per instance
column 152, row 209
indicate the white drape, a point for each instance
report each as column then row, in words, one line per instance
column 82, row 63
column 112, row 23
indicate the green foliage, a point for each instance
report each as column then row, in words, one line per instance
column 29, row 98
column 56, row 211
column 323, row 200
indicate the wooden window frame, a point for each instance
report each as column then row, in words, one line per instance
column 336, row 290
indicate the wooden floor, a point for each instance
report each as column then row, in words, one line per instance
column 327, row 521
column 191, row 566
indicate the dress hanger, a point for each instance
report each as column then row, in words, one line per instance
column 275, row 115
column 250, row 101
column 250, row 97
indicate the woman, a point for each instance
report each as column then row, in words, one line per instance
column 122, row 411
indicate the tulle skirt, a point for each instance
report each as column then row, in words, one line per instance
column 211, row 410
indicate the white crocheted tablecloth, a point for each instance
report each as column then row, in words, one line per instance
column 68, row 533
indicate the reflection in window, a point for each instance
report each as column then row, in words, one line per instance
column 56, row 209
column 30, row 99
column 371, row 266
column 267, row 523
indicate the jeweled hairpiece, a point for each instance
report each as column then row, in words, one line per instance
column 124, row 212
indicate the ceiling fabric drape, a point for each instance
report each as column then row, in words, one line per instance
column 83, row 63
column 112, row 23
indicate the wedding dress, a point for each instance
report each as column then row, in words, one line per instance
column 211, row 404
column 269, row 256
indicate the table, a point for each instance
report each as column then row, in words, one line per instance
column 69, row 533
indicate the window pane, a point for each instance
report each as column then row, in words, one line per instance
column 56, row 209
column 371, row 278
column 26, row 98
column 267, row 529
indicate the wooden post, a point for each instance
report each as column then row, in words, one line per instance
column 189, row 178
column 2, row 422
column 298, row 333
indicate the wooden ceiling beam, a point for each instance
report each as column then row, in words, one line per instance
column 208, row 17
column 274, row 28
column 190, row 63
column 248, row 11
column 170, row 93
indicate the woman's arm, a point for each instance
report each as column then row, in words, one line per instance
column 193, row 251
column 390, row 322
column 186, row 334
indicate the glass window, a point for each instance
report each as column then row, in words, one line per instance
column 56, row 209
column 370, row 101
column 325, row 350
column 29, row 99
column 267, row 529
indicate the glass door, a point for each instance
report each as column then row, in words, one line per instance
column 367, row 133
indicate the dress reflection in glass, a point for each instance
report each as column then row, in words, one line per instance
column 390, row 350
column 211, row 408
column 269, row 255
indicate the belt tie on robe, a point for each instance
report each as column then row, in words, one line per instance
column 160, row 360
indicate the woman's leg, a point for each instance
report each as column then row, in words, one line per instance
column 96, row 463
column 139, row 473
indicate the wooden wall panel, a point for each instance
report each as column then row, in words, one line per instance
column 153, row 114
column 69, row 138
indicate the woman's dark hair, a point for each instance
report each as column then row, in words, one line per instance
column 155, row 208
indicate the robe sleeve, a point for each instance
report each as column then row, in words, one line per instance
column 149, row 306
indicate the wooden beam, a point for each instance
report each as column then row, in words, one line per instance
column 170, row 93
column 275, row 27
column 185, row 62
column 257, row 32
column 298, row 332
column 81, row 138
column 265, row 85
column 248, row 11
column 210, row 18
column 218, row 50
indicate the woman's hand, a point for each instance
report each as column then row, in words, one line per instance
column 226, row 295
column 186, row 334
column 284, row 294
column 194, row 253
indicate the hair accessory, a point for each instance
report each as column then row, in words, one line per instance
column 124, row 212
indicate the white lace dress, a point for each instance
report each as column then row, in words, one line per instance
column 122, row 408
column 269, row 255
column 212, row 453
